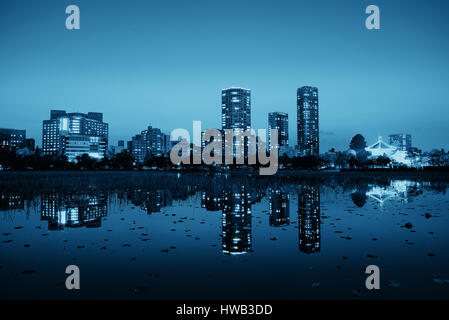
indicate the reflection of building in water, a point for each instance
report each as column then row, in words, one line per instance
column 401, row 190
column 212, row 201
column 395, row 153
column 155, row 199
column 279, row 208
column 309, row 218
column 73, row 211
column 11, row 201
column 151, row 200
column 236, row 222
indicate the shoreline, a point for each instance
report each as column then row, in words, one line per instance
column 429, row 175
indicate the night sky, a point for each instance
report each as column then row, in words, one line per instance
column 164, row 63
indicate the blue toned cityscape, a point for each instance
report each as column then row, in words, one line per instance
column 198, row 151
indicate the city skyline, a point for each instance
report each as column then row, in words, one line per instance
column 236, row 114
column 156, row 64
column 197, row 155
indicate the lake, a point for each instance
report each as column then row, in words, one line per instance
column 197, row 236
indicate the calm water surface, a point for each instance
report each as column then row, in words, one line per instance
column 171, row 236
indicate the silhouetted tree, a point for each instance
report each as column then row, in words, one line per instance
column 84, row 162
column 341, row 160
column 382, row 161
column 358, row 143
column 123, row 161
column 359, row 198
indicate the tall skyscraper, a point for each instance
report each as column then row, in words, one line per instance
column 75, row 134
column 308, row 124
column 236, row 114
column 402, row 141
column 279, row 121
column 236, row 108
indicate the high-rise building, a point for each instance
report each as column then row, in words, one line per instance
column 308, row 125
column 153, row 141
column 75, row 134
column 137, row 149
column 402, row 141
column 12, row 138
column 279, row 121
column 167, row 144
column 236, row 114
column 236, row 108
column 150, row 142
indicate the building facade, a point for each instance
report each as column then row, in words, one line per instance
column 12, row 138
column 75, row 134
column 401, row 141
column 136, row 148
column 150, row 142
column 236, row 108
column 153, row 140
column 308, row 121
column 279, row 121
column 236, row 114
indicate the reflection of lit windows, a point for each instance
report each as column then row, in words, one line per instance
column 73, row 211
column 309, row 219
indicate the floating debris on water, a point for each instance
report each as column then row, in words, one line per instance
column 393, row 284
column 140, row 289
column 408, row 225
column 28, row 271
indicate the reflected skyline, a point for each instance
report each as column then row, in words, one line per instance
column 73, row 211
column 309, row 219
column 220, row 231
column 279, row 207
column 237, row 222
column 11, row 201
column 397, row 190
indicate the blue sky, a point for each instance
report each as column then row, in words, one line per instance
column 164, row 63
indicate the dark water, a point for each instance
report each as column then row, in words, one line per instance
column 169, row 236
